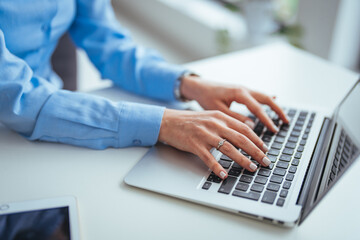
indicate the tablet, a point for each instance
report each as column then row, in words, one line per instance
column 45, row 219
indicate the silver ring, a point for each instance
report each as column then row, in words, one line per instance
column 221, row 142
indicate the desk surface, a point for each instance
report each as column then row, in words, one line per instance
column 109, row 209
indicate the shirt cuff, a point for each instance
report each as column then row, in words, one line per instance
column 139, row 124
column 161, row 78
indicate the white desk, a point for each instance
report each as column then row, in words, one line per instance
column 109, row 209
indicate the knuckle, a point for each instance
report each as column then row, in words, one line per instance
column 257, row 110
column 239, row 91
column 226, row 147
column 241, row 139
column 246, row 129
column 218, row 114
column 268, row 98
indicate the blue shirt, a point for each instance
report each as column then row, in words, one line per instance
column 31, row 99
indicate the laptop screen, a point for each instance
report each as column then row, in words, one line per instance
column 348, row 115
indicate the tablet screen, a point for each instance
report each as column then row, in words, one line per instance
column 45, row 224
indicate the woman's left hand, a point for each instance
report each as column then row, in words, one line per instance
column 217, row 97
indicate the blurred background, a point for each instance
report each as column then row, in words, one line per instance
column 189, row 30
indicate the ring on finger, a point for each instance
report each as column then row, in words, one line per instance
column 221, row 142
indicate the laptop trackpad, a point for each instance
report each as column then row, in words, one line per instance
column 164, row 168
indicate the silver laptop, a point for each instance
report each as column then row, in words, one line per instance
column 308, row 156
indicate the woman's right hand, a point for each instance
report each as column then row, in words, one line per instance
column 199, row 132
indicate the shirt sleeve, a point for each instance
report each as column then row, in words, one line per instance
column 111, row 49
column 38, row 110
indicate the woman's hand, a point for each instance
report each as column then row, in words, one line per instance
column 216, row 97
column 198, row 132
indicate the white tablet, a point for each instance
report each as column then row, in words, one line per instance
column 45, row 219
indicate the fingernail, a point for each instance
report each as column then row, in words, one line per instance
column 266, row 161
column 251, row 124
column 222, row 174
column 265, row 148
column 253, row 166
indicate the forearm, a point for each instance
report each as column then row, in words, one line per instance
column 117, row 57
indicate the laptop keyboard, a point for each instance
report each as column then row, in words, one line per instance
column 345, row 153
column 270, row 184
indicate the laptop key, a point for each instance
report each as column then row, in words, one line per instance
column 285, row 158
column 225, row 164
column 288, row 151
column 276, row 145
column 234, row 172
column 206, row 185
column 282, row 133
column 213, row 178
column 295, row 162
column 242, row 186
column 260, row 180
column 280, row 202
column 290, row 145
column 279, row 171
column 271, row 166
column 273, row 152
column 297, row 128
column 269, row 197
column 285, row 127
column 249, row 173
column 224, row 157
column 227, row 185
column 302, row 142
column 279, row 139
column 303, row 113
column 246, row 179
column 295, row 133
column 264, row 172
column 298, row 155
column 292, row 169
column 266, row 138
column 282, row 164
column 273, row 187
column 257, row 188
column 291, row 112
column 276, row 179
column 283, row 193
column 236, row 166
column 287, row 185
column 293, row 139
column 272, row 158
column 300, row 148
column 250, row 195
column 289, row 177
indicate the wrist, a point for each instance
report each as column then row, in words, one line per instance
column 191, row 87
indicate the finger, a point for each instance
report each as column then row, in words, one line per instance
column 247, row 131
column 229, row 150
column 264, row 99
column 210, row 161
column 241, row 141
column 225, row 109
column 259, row 112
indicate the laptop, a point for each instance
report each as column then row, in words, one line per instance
column 308, row 157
